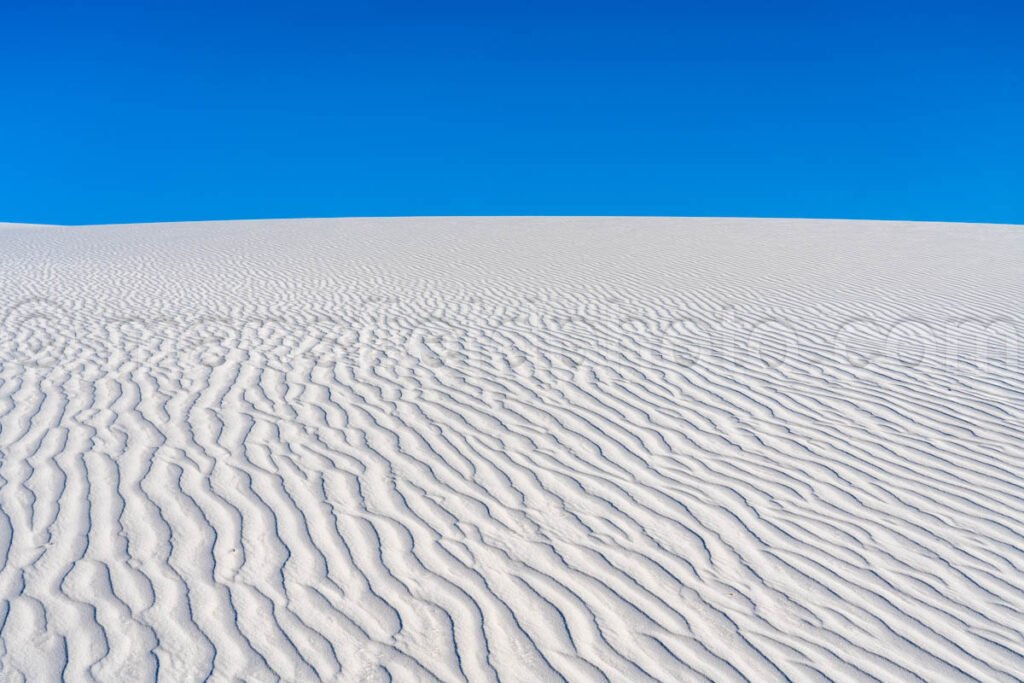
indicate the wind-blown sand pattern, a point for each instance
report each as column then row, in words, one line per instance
column 514, row 449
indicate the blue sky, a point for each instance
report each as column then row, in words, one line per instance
column 149, row 111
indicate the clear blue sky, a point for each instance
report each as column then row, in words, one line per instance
column 145, row 111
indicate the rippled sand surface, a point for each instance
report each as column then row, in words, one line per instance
column 517, row 449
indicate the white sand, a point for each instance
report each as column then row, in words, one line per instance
column 519, row 449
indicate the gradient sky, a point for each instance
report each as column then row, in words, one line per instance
column 147, row 111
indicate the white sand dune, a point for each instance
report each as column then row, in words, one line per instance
column 517, row 449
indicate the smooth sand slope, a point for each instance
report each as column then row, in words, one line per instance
column 512, row 449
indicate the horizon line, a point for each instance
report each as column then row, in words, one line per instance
column 511, row 215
